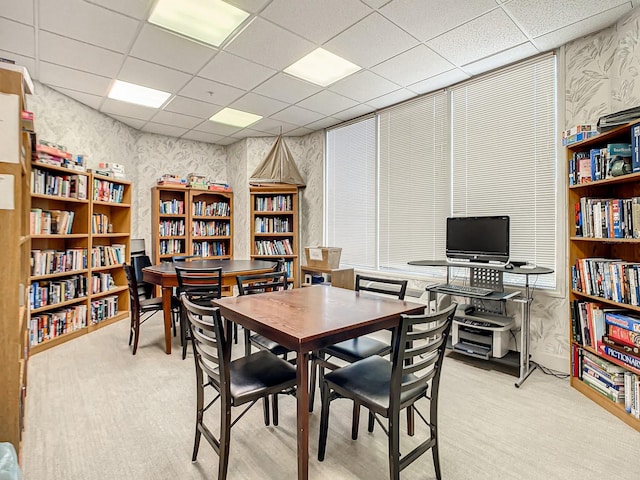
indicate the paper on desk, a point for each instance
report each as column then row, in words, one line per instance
column 9, row 128
column 315, row 254
column 6, row 192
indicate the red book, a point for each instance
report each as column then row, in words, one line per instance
column 624, row 336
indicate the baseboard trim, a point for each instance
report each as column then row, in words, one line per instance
column 553, row 362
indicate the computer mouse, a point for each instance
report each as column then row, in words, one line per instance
column 508, row 266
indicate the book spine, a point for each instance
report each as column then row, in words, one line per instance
column 626, row 358
column 624, row 336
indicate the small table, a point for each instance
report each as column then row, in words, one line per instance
column 164, row 275
column 307, row 319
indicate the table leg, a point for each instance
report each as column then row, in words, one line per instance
column 167, row 292
column 302, row 395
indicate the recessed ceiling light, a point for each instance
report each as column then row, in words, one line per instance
column 132, row 93
column 236, row 118
column 322, row 67
column 208, row 21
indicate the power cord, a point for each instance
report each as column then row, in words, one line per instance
column 548, row 371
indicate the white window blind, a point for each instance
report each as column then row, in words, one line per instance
column 351, row 205
column 503, row 133
column 414, row 181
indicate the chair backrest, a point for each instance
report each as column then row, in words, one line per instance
column 185, row 258
column 199, row 285
column 134, row 295
column 418, row 351
column 386, row 286
column 262, row 282
column 211, row 347
column 138, row 263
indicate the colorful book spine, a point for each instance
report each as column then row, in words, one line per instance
column 635, row 145
column 624, row 336
column 626, row 358
column 625, row 321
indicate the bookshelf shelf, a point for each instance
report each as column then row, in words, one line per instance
column 602, row 270
column 59, row 340
column 55, row 306
column 58, row 197
column 58, row 274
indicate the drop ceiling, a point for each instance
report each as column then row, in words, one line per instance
column 405, row 48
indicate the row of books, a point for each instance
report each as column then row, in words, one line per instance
column 46, row 262
column 210, row 249
column 273, row 225
column 100, row 223
column 102, row 282
column 274, row 247
column 48, row 326
column 172, row 207
column 276, row 203
column 592, row 324
column 107, row 255
column 613, row 160
column 57, row 155
column 106, row 191
column 50, row 222
column 210, row 228
column 608, row 217
column 214, row 209
column 65, row 186
column 607, row 278
column 171, row 247
column 44, row 293
column 104, row 309
column 578, row 133
column 171, row 228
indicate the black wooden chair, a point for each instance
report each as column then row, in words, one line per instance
column 261, row 283
column 201, row 286
column 235, row 383
column 386, row 387
column 357, row 348
column 142, row 307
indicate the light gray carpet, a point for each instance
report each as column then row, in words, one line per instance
column 94, row 411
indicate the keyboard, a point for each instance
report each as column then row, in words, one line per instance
column 464, row 290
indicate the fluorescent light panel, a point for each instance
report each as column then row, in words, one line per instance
column 208, row 21
column 235, row 118
column 322, row 67
column 132, row 93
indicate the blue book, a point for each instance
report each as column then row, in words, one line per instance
column 623, row 321
column 635, row 140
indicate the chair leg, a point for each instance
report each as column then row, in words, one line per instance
column 225, row 439
column 235, row 333
column 131, row 328
column 136, row 333
column 355, row 420
column 436, row 459
column 411, row 430
column 324, row 421
column 265, row 408
column 274, row 409
column 371, row 424
column 394, row 446
column 312, row 381
column 247, row 342
column 199, row 415
column 185, row 334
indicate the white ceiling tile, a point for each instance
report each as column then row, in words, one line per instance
column 267, row 44
column 297, row 116
column 363, row 86
column 202, row 136
column 20, row 11
column 479, row 38
column 324, row 123
column 251, row 6
column 499, row 59
column 258, row 104
column 272, row 126
column 55, row 49
column 351, row 113
column 16, row 37
column 299, row 132
column 544, row 16
column 194, row 108
column 176, row 119
column 139, row 9
column 93, row 101
column 151, row 75
column 236, row 71
column 439, row 81
column 287, row 88
column 391, row 98
column 316, row 21
column 132, row 122
column 159, row 46
column 327, row 102
column 88, row 23
column 64, row 77
column 425, row 19
column 210, row 91
column 412, row 66
column 218, row 128
column 160, row 129
column 126, row 109
column 371, row 41
column 27, row 62
column 575, row 30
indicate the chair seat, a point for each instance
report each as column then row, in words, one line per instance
column 264, row 343
column 357, row 349
column 369, row 381
column 253, row 376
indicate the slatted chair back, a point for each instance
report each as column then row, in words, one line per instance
column 200, row 285
column 134, row 295
column 385, row 286
column 262, row 282
column 139, row 262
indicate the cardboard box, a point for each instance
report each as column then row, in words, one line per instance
column 323, row 257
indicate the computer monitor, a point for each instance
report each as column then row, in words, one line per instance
column 478, row 239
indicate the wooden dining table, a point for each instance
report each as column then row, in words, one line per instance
column 307, row 319
column 164, row 275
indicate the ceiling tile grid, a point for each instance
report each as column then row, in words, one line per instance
column 404, row 48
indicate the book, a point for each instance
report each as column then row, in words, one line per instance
column 633, row 350
column 624, row 336
column 635, row 146
column 584, row 170
column 628, row 359
column 618, row 159
column 623, row 320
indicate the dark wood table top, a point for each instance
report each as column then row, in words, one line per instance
column 232, row 267
column 305, row 319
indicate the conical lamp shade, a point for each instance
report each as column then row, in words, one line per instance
column 278, row 167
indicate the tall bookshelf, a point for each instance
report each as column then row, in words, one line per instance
column 606, row 258
column 15, row 165
column 274, row 226
column 190, row 221
column 80, row 235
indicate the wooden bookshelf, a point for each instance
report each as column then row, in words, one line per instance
column 169, row 222
column 210, row 224
column 275, row 226
column 593, row 242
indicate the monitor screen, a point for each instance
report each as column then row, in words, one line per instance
column 479, row 239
